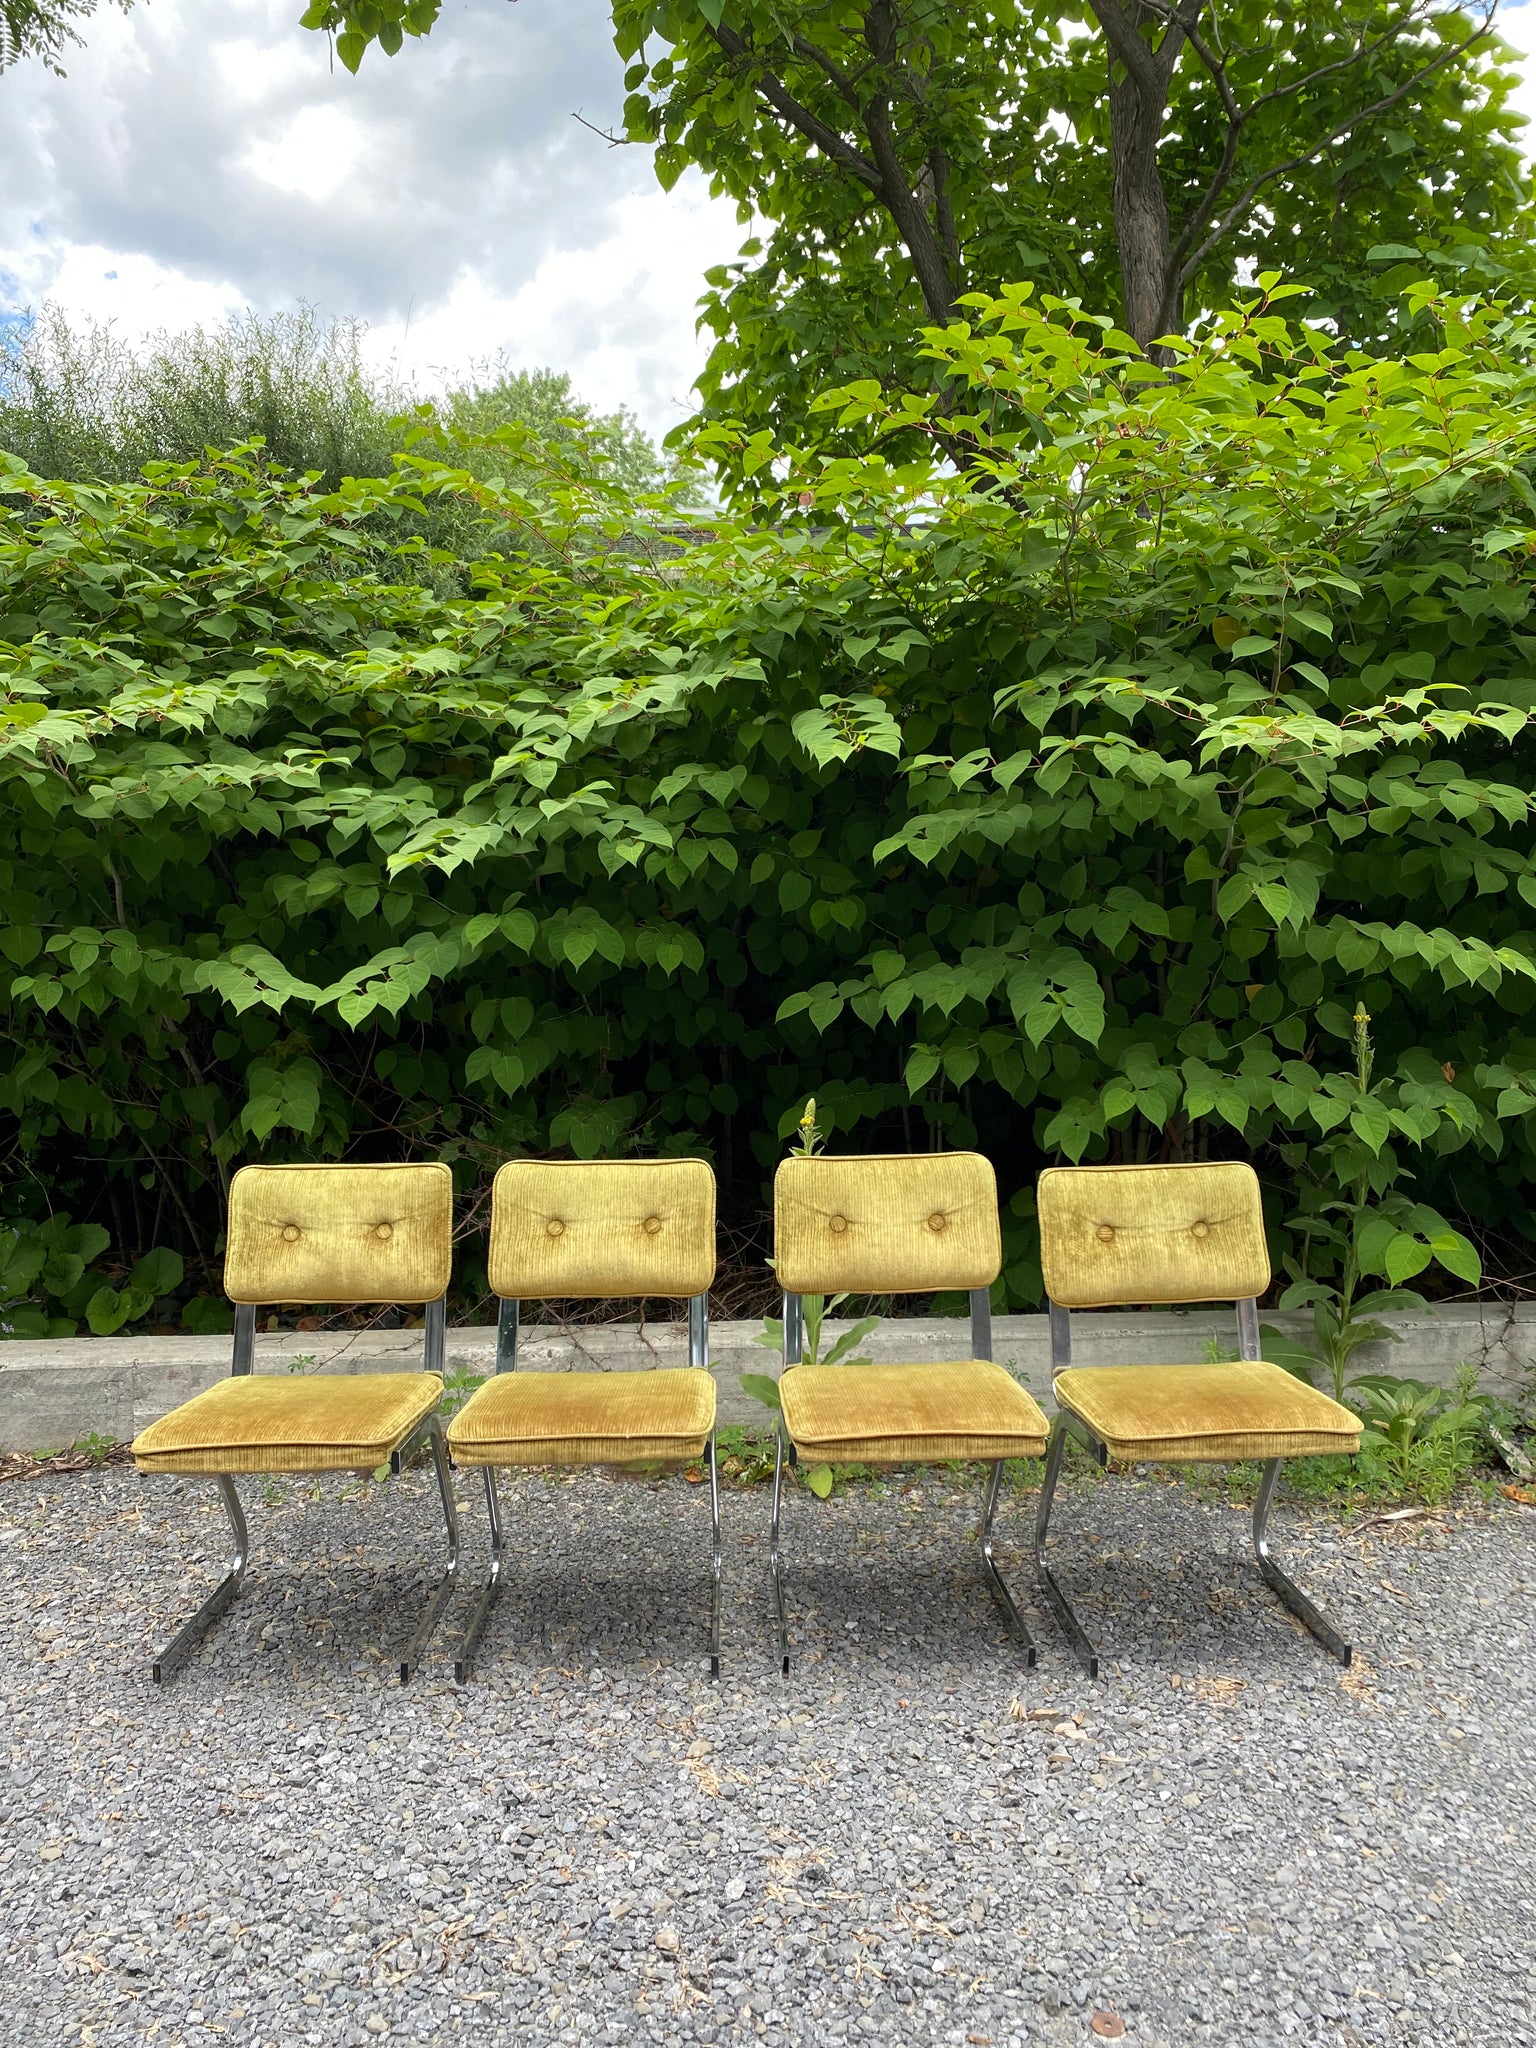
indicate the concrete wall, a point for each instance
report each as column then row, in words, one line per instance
column 53, row 1393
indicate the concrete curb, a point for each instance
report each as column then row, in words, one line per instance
column 54, row 1393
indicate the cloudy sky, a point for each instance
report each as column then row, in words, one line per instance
column 202, row 157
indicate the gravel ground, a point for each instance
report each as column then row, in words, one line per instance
column 912, row 1839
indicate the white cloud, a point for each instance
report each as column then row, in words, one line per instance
column 314, row 153
column 209, row 154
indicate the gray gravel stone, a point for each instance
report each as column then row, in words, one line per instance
column 911, row 1840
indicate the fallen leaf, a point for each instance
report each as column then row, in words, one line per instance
column 1108, row 2026
column 1526, row 1495
column 1356, row 1681
column 1219, row 1692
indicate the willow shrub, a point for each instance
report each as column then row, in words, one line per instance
column 1068, row 806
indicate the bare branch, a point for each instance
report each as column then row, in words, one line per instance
column 606, row 134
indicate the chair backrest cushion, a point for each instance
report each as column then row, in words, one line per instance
column 906, row 1223
column 602, row 1227
column 339, row 1233
column 1112, row 1235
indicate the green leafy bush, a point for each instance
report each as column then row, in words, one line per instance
column 87, row 403
column 49, row 1283
column 1069, row 805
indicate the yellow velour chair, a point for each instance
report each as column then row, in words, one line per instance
column 909, row 1224
column 1114, row 1236
column 599, row 1229
column 338, row 1235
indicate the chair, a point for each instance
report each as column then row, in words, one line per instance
column 312, row 1234
column 1117, row 1235
column 595, row 1229
column 895, row 1225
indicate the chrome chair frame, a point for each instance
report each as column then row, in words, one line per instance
column 429, row 1431
column 794, row 1347
column 508, row 1330
column 1066, row 1424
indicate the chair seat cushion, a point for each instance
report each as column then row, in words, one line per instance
column 899, row 1414
column 585, row 1418
column 1206, row 1414
column 260, row 1422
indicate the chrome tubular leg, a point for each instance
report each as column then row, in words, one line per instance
column 1086, row 1651
column 994, row 1576
column 449, row 1580
column 1293, row 1596
column 480, row 1613
column 714, row 1518
column 181, row 1645
column 774, row 1565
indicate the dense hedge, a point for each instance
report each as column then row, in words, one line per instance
column 1067, row 806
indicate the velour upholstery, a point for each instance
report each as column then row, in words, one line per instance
column 1206, row 1414
column 339, row 1233
column 907, row 1223
column 890, row 1414
column 585, row 1418
column 602, row 1227
column 1116, row 1234
column 263, row 1422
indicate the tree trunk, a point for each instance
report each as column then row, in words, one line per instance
column 1139, row 76
column 1136, row 111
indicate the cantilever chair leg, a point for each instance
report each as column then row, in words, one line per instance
column 223, row 1596
column 775, row 1566
column 1292, row 1595
column 994, row 1576
column 446, row 1584
column 480, row 1614
column 715, row 1559
column 1086, row 1650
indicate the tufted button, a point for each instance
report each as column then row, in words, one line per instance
column 837, row 1225
column 1105, row 1233
column 290, row 1233
column 384, row 1232
column 652, row 1226
column 938, row 1221
column 554, row 1227
column 1200, row 1230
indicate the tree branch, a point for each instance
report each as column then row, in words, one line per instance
column 1239, row 117
column 1256, row 185
column 934, row 276
column 1131, row 48
column 814, row 54
column 943, row 211
column 1150, row 69
column 799, row 117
